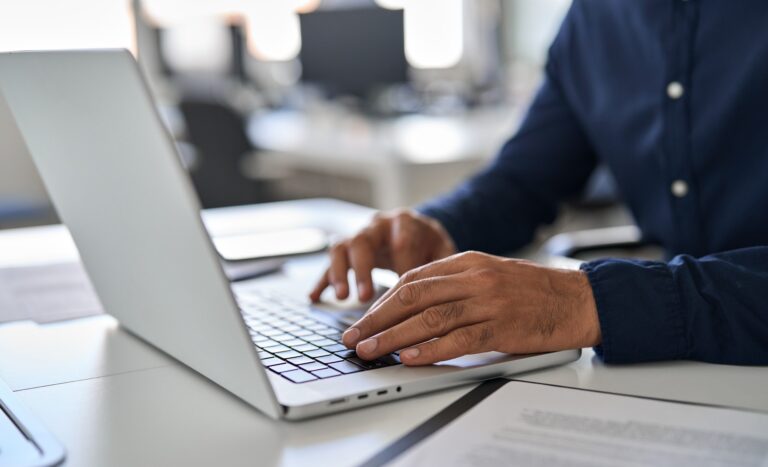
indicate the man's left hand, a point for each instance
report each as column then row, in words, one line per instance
column 473, row 302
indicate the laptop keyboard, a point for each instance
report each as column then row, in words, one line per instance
column 297, row 346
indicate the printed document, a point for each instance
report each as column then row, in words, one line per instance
column 532, row 424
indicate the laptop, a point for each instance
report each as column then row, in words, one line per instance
column 116, row 181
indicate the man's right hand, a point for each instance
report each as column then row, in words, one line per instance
column 398, row 240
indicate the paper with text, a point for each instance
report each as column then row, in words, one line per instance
column 531, row 424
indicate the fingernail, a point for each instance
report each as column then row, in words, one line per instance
column 339, row 287
column 410, row 353
column 367, row 346
column 350, row 336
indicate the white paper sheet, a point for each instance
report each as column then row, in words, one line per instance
column 46, row 293
column 530, row 424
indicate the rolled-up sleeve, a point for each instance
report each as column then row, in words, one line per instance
column 713, row 308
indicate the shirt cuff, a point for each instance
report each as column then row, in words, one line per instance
column 640, row 312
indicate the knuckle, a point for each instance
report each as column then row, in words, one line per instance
column 408, row 295
column 338, row 247
column 409, row 276
column 465, row 339
column 485, row 336
column 432, row 319
column 403, row 215
column 452, row 311
column 358, row 241
column 486, row 276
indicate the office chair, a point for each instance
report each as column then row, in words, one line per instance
column 218, row 133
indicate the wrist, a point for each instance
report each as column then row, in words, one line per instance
column 587, row 311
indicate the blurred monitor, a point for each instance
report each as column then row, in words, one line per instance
column 353, row 51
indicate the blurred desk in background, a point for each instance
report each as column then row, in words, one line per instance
column 380, row 162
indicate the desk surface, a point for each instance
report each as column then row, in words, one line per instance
column 114, row 400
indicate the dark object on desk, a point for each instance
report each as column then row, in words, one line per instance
column 15, row 212
column 218, row 133
column 24, row 441
column 353, row 51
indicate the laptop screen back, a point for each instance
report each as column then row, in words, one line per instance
column 116, row 182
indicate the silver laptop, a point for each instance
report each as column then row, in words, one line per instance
column 115, row 179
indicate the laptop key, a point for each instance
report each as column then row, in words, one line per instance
column 345, row 367
column 288, row 354
column 276, row 349
column 305, row 347
column 268, row 343
column 272, row 362
column 346, row 353
column 293, row 343
column 324, row 342
column 282, row 368
column 328, row 332
column 283, row 338
column 372, row 364
column 300, row 360
column 326, row 373
column 329, row 359
column 313, row 337
column 263, row 354
column 302, row 333
column 299, row 376
column 314, row 366
column 316, row 353
column 335, row 348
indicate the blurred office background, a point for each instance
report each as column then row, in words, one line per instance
column 385, row 103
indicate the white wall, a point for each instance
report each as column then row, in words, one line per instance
column 530, row 27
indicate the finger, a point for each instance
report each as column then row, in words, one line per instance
column 462, row 341
column 337, row 272
column 361, row 255
column 321, row 285
column 408, row 300
column 403, row 243
column 443, row 267
column 433, row 322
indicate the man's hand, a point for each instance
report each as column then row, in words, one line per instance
column 398, row 240
column 471, row 303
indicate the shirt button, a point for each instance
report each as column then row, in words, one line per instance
column 679, row 188
column 675, row 90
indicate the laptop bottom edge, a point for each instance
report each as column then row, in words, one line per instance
column 397, row 391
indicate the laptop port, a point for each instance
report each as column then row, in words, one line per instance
column 362, row 396
column 381, row 393
column 337, row 401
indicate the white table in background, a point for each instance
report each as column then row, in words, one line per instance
column 404, row 160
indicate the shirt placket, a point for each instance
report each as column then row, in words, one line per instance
column 680, row 178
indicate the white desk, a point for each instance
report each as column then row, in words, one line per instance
column 114, row 400
column 404, row 160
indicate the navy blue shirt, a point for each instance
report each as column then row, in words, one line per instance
column 671, row 95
